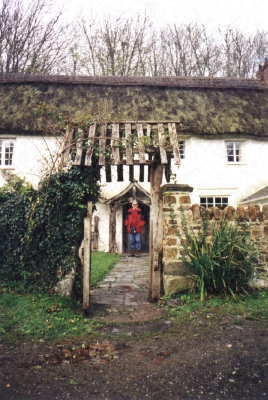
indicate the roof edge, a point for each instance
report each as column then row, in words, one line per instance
column 159, row 81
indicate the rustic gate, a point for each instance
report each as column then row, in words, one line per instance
column 132, row 143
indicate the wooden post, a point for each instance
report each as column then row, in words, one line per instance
column 87, row 259
column 156, row 234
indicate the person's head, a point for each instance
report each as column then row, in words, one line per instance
column 134, row 204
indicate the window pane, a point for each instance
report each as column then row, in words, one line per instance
column 238, row 152
column 9, row 147
column 225, row 201
column 203, row 202
column 230, row 152
column 210, row 201
column 182, row 148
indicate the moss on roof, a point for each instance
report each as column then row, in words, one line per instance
column 203, row 110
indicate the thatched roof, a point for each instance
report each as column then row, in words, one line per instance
column 204, row 105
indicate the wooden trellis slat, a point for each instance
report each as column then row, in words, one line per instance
column 161, row 137
column 123, row 149
column 89, row 152
column 174, row 143
column 114, row 144
column 66, row 147
column 102, row 145
column 141, row 144
column 79, row 148
column 129, row 153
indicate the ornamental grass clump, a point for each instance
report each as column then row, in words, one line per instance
column 222, row 262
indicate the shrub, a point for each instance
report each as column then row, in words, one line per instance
column 42, row 229
column 222, row 262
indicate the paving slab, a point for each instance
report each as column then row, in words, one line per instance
column 126, row 286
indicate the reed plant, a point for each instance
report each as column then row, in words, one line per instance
column 220, row 256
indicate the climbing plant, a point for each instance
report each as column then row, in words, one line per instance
column 42, row 229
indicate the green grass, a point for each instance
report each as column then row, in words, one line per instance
column 251, row 307
column 101, row 264
column 25, row 316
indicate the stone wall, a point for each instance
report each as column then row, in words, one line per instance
column 175, row 275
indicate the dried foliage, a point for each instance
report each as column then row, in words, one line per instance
column 34, row 40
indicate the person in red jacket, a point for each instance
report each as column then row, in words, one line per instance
column 134, row 222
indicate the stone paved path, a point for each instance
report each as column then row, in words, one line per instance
column 126, row 285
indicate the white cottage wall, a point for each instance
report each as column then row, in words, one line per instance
column 32, row 154
column 206, row 169
column 103, row 212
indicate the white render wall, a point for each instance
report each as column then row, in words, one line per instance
column 30, row 155
column 206, row 169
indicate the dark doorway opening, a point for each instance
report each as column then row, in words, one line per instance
column 145, row 233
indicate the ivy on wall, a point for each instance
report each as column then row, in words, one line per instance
column 41, row 230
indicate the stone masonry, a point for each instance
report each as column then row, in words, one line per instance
column 175, row 275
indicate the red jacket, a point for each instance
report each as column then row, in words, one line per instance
column 134, row 218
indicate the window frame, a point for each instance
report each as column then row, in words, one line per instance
column 235, row 154
column 7, row 146
column 208, row 204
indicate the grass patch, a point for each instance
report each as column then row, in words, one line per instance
column 26, row 317
column 250, row 307
column 101, row 264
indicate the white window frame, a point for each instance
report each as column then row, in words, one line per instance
column 6, row 153
column 214, row 201
column 238, row 152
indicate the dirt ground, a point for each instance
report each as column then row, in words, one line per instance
column 144, row 354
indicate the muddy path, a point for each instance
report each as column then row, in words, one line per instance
column 141, row 355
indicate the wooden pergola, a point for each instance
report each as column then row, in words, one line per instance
column 132, row 143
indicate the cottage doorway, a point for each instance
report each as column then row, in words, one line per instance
column 145, row 233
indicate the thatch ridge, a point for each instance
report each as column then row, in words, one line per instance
column 166, row 81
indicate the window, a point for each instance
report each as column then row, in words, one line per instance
column 6, row 152
column 219, row 201
column 234, row 152
column 182, row 148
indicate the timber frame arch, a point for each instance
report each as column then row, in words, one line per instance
column 132, row 192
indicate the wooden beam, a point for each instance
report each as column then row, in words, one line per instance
column 89, row 152
column 156, row 245
column 174, row 143
column 112, row 228
column 79, row 148
column 87, row 260
column 134, row 162
column 161, row 137
column 102, row 145
column 129, row 155
column 141, row 146
column 66, row 147
column 114, row 144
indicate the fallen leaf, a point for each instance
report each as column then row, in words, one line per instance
column 229, row 346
